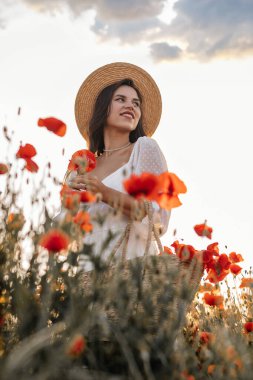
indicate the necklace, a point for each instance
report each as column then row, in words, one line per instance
column 113, row 150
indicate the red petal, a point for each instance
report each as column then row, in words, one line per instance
column 53, row 125
column 215, row 277
column 87, row 197
column 170, row 187
column 247, row 282
column 168, row 202
column 82, row 218
column 142, row 186
column 167, row 250
column 235, row 269
column 26, row 151
column 178, row 185
column 214, row 248
column 203, row 230
column 213, row 300
column 235, row 257
column 248, row 327
column 82, row 158
column 31, row 165
column 54, row 240
column 3, row 168
column 77, row 346
column 224, row 261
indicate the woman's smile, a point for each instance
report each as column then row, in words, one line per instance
column 128, row 114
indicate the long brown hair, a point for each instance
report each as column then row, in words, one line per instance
column 100, row 114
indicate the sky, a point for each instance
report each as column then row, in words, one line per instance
column 200, row 53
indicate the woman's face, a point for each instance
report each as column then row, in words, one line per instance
column 125, row 111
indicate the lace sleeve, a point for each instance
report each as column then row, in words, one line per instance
column 151, row 159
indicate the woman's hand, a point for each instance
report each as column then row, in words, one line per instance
column 87, row 182
column 120, row 201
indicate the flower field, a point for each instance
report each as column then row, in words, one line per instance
column 183, row 314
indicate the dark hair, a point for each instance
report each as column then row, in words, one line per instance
column 100, row 113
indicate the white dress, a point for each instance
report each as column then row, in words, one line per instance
column 146, row 156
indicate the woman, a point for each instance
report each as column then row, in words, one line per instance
column 118, row 108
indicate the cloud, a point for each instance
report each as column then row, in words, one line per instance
column 212, row 29
column 162, row 51
column 130, row 10
column 201, row 29
column 130, row 31
column 128, row 22
column 107, row 10
column 75, row 7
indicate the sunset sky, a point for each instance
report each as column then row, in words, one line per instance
column 200, row 53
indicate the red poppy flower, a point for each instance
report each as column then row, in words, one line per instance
column 203, row 230
column 82, row 218
column 31, row 165
column 213, row 300
column 83, row 160
column 235, row 257
column 216, row 265
column 216, row 276
column 207, row 256
column 71, row 198
column 142, row 186
column 3, row 168
column 214, row 248
column 220, row 262
column 170, row 187
column 218, row 268
column 167, row 250
column 235, row 269
column 54, row 240
column 86, row 197
column 224, row 261
column 184, row 251
column 53, row 125
column 76, row 346
column 247, row 282
column 26, row 151
column 206, row 337
column 248, row 327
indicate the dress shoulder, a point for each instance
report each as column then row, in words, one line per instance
column 148, row 142
column 149, row 157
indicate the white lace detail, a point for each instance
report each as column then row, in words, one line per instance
column 148, row 157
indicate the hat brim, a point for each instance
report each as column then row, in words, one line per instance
column 109, row 74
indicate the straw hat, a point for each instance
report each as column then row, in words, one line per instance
column 109, row 74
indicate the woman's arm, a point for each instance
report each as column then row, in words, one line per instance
column 125, row 203
column 129, row 206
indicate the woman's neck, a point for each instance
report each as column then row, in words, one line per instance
column 115, row 140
